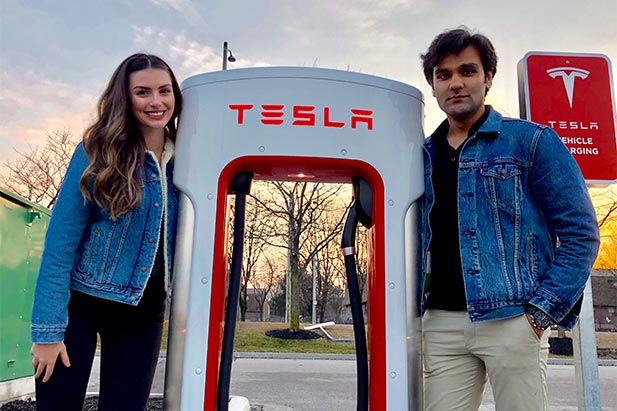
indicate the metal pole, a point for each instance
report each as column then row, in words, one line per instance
column 225, row 55
column 314, row 304
column 586, row 356
column 287, row 286
column 288, row 271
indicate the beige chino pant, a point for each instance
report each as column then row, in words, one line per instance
column 460, row 356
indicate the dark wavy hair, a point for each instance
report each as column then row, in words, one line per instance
column 114, row 143
column 455, row 41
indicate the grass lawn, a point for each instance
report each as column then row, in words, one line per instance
column 251, row 337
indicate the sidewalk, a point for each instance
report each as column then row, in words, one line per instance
column 159, row 377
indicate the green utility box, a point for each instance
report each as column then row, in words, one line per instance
column 22, row 233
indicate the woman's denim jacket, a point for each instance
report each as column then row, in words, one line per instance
column 85, row 250
column 527, row 228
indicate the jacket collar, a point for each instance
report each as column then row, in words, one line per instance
column 490, row 126
column 168, row 152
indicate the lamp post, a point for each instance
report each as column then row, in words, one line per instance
column 227, row 56
column 314, row 299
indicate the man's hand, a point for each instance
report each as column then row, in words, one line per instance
column 44, row 358
column 535, row 329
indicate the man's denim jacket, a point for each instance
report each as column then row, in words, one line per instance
column 85, row 250
column 527, row 229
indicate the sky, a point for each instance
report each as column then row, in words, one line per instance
column 57, row 56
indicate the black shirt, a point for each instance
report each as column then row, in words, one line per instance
column 158, row 268
column 447, row 288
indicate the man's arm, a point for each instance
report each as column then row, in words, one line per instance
column 562, row 195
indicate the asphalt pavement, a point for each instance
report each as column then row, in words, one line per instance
column 317, row 382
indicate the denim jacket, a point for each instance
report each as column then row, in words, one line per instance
column 87, row 251
column 527, row 228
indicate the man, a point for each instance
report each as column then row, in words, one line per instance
column 509, row 238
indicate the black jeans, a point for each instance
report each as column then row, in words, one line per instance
column 130, row 345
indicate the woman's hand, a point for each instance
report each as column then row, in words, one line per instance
column 44, row 358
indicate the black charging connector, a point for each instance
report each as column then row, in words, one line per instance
column 360, row 211
column 240, row 186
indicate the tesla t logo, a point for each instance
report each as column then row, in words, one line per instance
column 272, row 114
column 568, row 74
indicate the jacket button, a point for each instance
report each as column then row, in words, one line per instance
column 133, row 298
column 150, row 240
column 157, row 205
column 143, row 269
column 153, row 175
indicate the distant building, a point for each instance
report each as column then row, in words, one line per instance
column 604, row 291
column 253, row 313
column 345, row 316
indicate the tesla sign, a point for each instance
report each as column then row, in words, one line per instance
column 572, row 94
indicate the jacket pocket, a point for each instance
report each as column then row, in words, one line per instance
column 91, row 252
column 101, row 248
column 502, row 183
column 114, row 248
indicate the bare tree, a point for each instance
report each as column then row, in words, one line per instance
column 362, row 259
column 255, row 236
column 330, row 276
column 605, row 202
column 38, row 172
column 264, row 283
column 298, row 204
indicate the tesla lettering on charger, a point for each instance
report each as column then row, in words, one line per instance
column 311, row 116
column 572, row 94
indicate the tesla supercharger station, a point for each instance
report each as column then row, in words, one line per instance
column 282, row 123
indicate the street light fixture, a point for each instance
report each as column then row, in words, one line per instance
column 227, row 56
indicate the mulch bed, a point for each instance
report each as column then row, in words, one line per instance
column 91, row 404
column 154, row 404
column 287, row 334
column 561, row 346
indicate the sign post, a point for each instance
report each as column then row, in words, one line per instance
column 573, row 94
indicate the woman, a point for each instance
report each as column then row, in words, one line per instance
column 109, row 247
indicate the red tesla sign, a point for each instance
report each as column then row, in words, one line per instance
column 572, row 94
column 272, row 114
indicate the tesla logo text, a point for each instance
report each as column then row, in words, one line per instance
column 568, row 74
column 272, row 114
column 574, row 125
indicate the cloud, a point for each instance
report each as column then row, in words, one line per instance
column 32, row 105
column 185, row 8
column 367, row 14
column 365, row 35
column 327, row 19
column 186, row 56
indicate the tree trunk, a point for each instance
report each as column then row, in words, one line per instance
column 294, row 283
column 243, row 303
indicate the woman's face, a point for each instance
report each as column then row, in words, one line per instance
column 152, row 98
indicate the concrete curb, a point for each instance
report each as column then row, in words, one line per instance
column 293, row 356
column 352, row 357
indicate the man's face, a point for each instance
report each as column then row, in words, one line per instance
column 460, row 84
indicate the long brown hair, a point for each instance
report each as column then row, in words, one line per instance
column 114, row 144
